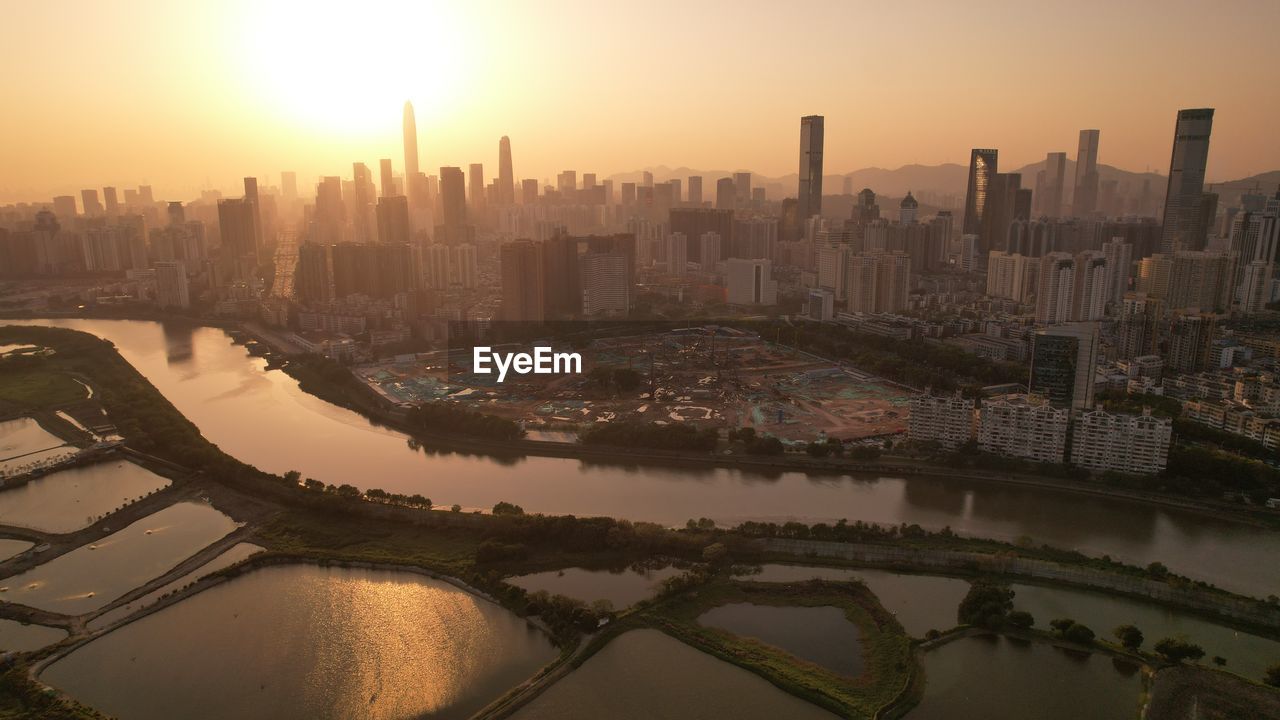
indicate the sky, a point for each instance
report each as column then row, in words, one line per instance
column 191, row 95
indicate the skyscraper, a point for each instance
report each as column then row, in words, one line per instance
column 475, row 190
column 454, row 229
column 726, row 194
column 113, row 204
column 171, row 285
column 506, row 178
column 1085, row 200
column 982, row 172
column 393, row 219
column 742, row 184
column 695, row 190
column 809, row 200
column 522, row 281
column 388, row 178
column 1063, row 361
column 411, row 155
column 1049, row 183
column 1183, row 203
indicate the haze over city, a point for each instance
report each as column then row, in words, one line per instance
column 192, row 96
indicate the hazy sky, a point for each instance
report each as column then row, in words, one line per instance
column 193, row 94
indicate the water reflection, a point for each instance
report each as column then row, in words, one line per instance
column 264, row 419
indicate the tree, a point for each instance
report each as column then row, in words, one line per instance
column 986, row 605
column 715, row 553
column 1158, row 570
column 1061, row 625
column 1078, row 633
column 1129, row 636
column 1177, row 649
column 1021, row 620
column 817, row 449
column 506, row 508
column 348, row 491
column 1272, row 675
column 292, row 477
column 1219, row 661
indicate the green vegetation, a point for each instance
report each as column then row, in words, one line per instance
column 986, row 605
column 1272, row 676
column 1176, row 649
column 31, row 383
column 23, row 699
column 888, row 661
column 651, row 435
column 1072, row 631
column 754, row 444
column 450, row 418
column 1130, row 637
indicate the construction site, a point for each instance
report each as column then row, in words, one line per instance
column 706, row 376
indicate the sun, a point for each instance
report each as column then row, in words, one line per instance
column 347, row 68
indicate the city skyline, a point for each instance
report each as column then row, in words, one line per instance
column 262, row 99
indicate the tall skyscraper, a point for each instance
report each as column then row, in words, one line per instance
column 742, row 184
column 393, row 219
column 89, row 201
column 982, row 172
column 475, row 190
column 411, row 156
column 1055, row 294
column 1183, row 205
column 1049, row 184
column 506, row 178
column 522, row 280
column 695, row 190
column 363, row 224
column 112, row 203
column 726, row 194
column 1085, row 200
column 388, row 178
column 453, row 201
column 239, row 248
column 809, row 200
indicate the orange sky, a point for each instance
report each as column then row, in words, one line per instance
column 194, row 94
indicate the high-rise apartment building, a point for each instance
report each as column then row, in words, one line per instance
column 1024, row 426
column 522, row 281
column 695, row 190
column 171, row 285
column 948, row 421
column 605, row 282
column 750, row 282
column 1055, row 296
column 1135, row 444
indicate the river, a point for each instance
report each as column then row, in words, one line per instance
column 263, row 418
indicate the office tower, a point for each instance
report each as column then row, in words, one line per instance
column 628, row 195
column 726, row 194
column 646, row 179
column 809, row 200
column 528, row 191
column 1063, row 362
column 363, row 224
column 1055, row 294
column 329, row 220
column 411, row 158
column 967, row 261
column 388, row 178
column 64, row 206
column 754, row 238
column 567, row 182
column 1002, row 208
column 144, row 195
column 506, row 177
column 709, row 251
column 475, row 191
column 1008, row 276
column 171, row 285
column 982, row 172
column 454, row 229
column 605, row 282
column 1089, row 298
column 393, row 219
column 877, row 282
column 677, row 254
column 312, row 280
column 289, row 185
column 588, row 181
column 251, row 197
column 750, row 282
column 112, row 204
column 695, row 190
column 1049, row 185
column 693, row 222
column 1137, row 326
column 907, row 210
column 177, row 216
column 1191, row 336
column 1119, row 256
column 675, row 190
column 522, row 281
column 742, row 187
column 1085, row 200
column 608, row 191
column 1183, row 203
column 239, row 248
column 131, row 197
column 89, row 201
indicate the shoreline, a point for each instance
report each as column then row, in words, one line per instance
column 373, row 409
